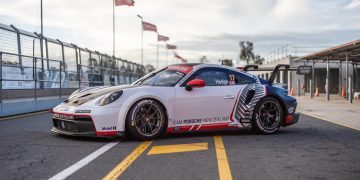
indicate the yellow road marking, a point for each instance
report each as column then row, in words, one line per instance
column 120, row 168
column 223, row 164
column 324, row 119
column 166, row 149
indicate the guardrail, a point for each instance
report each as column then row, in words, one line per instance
column 34, row 72
column 84, row 75
column 37, row 72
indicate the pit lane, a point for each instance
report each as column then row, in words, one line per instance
column 311, row 149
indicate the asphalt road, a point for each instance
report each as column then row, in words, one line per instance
column 311, row 149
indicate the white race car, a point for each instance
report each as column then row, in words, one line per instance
column 177, row 98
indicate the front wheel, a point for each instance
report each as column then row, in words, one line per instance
column 267, row 117
column 145, row 120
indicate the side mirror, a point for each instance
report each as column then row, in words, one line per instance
column 195, row 83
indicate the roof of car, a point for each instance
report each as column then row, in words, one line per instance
column 202, row 65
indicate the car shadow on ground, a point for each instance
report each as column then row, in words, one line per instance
column 239, row 132
column 88, row 139
column 182, row 135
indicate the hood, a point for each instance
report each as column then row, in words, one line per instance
column 82, row 96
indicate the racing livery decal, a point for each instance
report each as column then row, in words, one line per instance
column 183, row 69
column 161, row 102
column 246, row 103
column 200, row 121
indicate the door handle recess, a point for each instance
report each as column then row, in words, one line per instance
column 229, row 97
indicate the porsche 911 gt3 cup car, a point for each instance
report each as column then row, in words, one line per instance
column 177, row 98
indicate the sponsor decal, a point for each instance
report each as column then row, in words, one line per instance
column 245, row 120
column 82, row 111
column 104, row 128
column 201, row 120
column 63, row 116
column 232, row 79
column 221, row 82
column 183, row 69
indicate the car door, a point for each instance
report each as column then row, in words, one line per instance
column 210, row 104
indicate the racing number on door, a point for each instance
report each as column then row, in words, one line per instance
column 232, row 79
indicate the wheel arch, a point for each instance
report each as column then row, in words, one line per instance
column 281, row 102
column 158, row 100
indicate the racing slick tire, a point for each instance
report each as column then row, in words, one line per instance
column 268, row 116
column 145, row 120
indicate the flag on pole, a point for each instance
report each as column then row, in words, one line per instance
column 149, row 27
column 169, row 46
column 124, row 2
column 179, row 57
column 163, row 38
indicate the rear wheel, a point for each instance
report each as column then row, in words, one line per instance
column 145, row 120
column 268, row 116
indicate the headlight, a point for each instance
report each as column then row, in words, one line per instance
column 109, row 98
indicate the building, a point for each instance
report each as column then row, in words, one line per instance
column 338, row 65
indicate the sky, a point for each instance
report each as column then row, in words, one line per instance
column 211, row 28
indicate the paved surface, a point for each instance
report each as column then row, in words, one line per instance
column 337, row 110
column 311, row 149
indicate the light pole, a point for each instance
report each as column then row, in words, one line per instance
column 113, row 28
column 142, row 40
column 157, row 52
column 42, row 44
column 166, row 55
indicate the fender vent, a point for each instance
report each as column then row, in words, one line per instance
column 249, row 96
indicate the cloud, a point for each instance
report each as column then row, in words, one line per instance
column 216, row 46
column 202, row 27
column 353, row 4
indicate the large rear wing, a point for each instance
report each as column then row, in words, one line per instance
column 301, row 70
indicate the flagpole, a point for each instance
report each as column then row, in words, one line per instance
column 142, row 40
column 157, row 52
column 42, row 44
column 166, row 56
column 114, row 28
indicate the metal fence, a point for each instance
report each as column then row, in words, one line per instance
column 287, row 50
column 54, row 66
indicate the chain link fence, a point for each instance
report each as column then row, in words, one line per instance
column 30, row 69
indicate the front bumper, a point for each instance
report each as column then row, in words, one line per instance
column 78, row 125
column 73, row 125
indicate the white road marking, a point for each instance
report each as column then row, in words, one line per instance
column 83, row 162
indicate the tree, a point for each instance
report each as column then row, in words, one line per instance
column 203, row 59
column 149, row 68
column 246, row 51
column 259, row 60
column 227, row 62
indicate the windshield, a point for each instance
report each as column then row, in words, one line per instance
column 166, row 77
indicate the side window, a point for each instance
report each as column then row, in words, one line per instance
column 236, row 78
column 211, row 76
